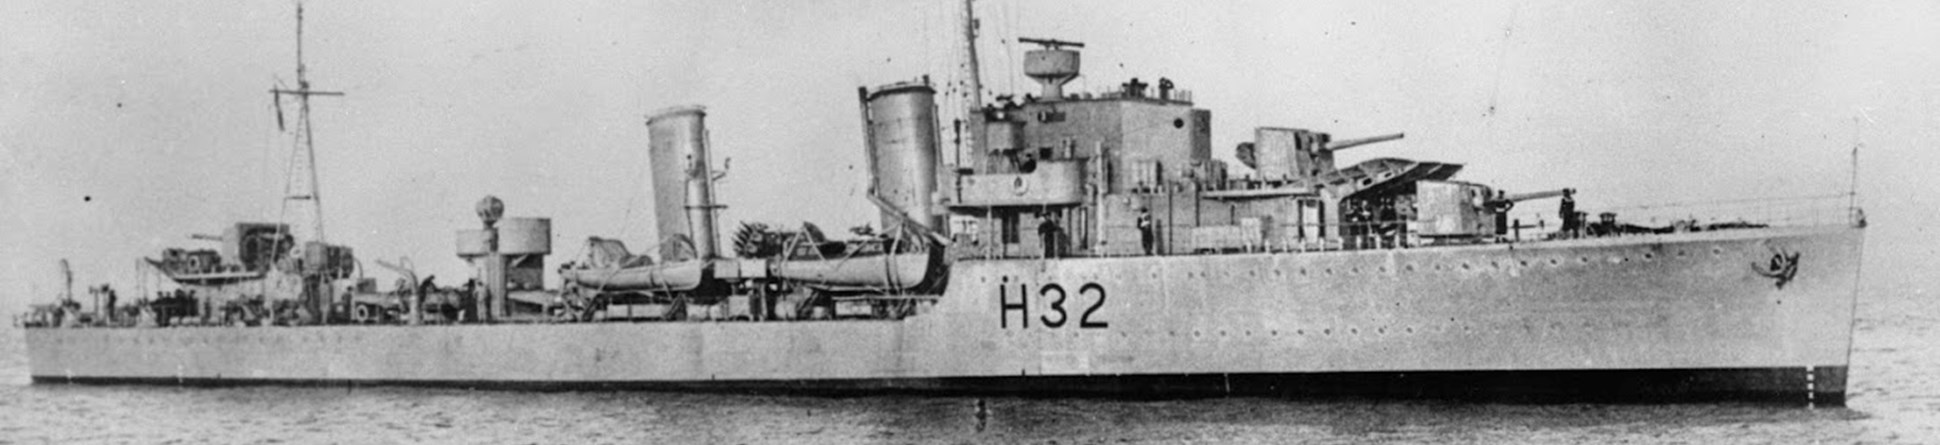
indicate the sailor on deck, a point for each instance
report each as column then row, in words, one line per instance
column 1048, row 231
column 1145, row 232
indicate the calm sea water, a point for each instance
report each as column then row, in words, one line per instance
column 1894, row 398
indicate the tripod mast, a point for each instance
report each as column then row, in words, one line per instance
column 305, row 152
column 316, row 282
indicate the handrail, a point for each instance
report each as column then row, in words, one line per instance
column 1681, row 204
column 1533, row 226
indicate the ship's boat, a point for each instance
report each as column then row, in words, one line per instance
column 881, row 273
column 839, row 266
column 206, row 277
column 681, row 276
column 610, row 266
column 877, row 272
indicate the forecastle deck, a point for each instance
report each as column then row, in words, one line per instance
column 1688, row 314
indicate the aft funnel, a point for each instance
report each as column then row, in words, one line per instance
column 900, row 121
column 683, row 183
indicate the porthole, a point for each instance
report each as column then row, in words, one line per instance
column 1178, row 123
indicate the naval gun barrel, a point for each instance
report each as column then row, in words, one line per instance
column 205, row 237
column 1351, row 143
column 1051, row 43
column 1519, row 197
column 1502, row 204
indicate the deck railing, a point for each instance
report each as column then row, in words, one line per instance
column 1532, row 225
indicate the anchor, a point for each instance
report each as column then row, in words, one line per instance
column 1781, row 267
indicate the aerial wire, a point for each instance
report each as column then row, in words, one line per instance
column 1501, row 60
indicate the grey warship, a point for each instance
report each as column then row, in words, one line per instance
column 1080, row 243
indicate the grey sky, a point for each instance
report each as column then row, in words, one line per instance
column 126, row 126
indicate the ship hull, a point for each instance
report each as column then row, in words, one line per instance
column 1697, row 315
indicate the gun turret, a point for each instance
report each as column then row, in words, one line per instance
column 1351, row 143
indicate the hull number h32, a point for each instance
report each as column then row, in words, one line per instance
column 1057, row 306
